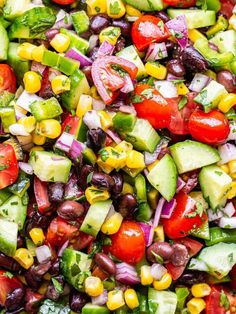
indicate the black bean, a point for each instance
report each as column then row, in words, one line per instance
column 120, row 44
column 193, row 60
column 170, row 46
column 227, row 79
column 105, row 263
column 52, row 292
column 102, row 181
column 34, row 275
column 124, row 26
column 175, row 67
column 70, row 210
column 127, row 204
column 77, row 300
column 162, row 15
column 180, row 255
column 85, row 35
column 56, row 192
column 20, row 242
column 37, row 221
column 98, row 22
column 117, row 188
column 15, row 299
column 192, row 277
column 87, row 72
column 92, row 54
column 162, row 249
column 9, row 263
column 55, row 269
column 96, row 139
column 83, row 175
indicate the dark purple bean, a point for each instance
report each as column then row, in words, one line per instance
column 51, row 33
column 192, row 277
column 77, row 300
column 84, row 172
column 117, row 188
column 175, row 67
column 105, row 263
column 98, row 22
column 180, row 255
column 15, row 300
column 102, row 181
column 92, row 54
column 193, row 60
column 20, row 242
column 163, row 249
column 162, row 15
column 52, row 292
column 37, row 221
column 9, row 263
column 96, row 139
column 34, row 275
column 120, row 44
column 72, row 190
column 55, row 269
column 56, row 192
column 85, row 35
column 87, row 72
column 127, row 204
column 70, row 210
column 124, row 26
column 227, row 79
column 170, row 46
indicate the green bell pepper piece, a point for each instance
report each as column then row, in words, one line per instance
column 182, row 294
column 218, row 235
column 144, row 212
column 8, row 117
column 221, row 25
column 213, row 5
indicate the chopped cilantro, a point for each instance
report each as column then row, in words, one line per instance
column 147, row 93
column 58, row 287
column 224, row 301
column 136, row 99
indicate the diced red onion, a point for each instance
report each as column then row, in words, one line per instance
column 75, row 54
column 229, row 209
column 128, row 109
column 76, row 150
column 227, row 222
column 26, row 99
column 166, row 88
column 64, row 22
column 64, row 142
column 129, row 86
column 171, row 77
column 157, row 271
column 18, row 129
column 199, row 82
column 72, row 190
column 180, row 184
column 106, row 49
column 232, row 133
column 37, row 67
column 227, row 153
column 156, row 219
column 62, row 248
column 57, row 158
column 178, row 28
column 27, row 168
column 168, row 208
column 151, row 157
column 51, row 33
column 93, row 42
column 92, row 119
column 132, row 18
column 126, row 274
column 146, row 230
column 52, row 73
column 43, row 254
column 114, row 136
column 98, row 104
column 60, row 15
column 156, row 51
column 212, row 216
column 101, row 299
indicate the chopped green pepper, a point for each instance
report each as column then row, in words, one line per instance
column 218, row 235
column 221, row 25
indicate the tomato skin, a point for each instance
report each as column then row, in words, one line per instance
column 63, row 2
column 70, row 124
column 9, row 165
column 213, row 301
column 128, row 244
column 210, row 128
column 156, row 110
column 179, row 224
column 41, row 195
column 181, row 3
column 7, row 78
column 227, row 7
column 7, row 285
column 145, row 30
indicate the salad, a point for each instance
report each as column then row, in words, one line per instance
column 118, row 156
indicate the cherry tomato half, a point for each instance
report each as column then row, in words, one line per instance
column 214, row 303
column 63, row 2
column 181, row 3
column 7, row 284
column 8, row 165
column 128, row 244
column 227, row 7
column 211, row 128
column 7, row 79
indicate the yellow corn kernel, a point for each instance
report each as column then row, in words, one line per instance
column 106, row 120
column 84, row 105
column 50, row 128
column 104, row 167
column 94, row 92
column 146, row 277
column 131, row 11
column 232, row 192
column 93, row 286
column 200, row 290
column 227, row 102
column 25, row 51
column 225, row 168
column 127, row 188
column 164, row 283
column 38, row 139
column 2, row 3
column 37, row 236
column 94, row 195
column 29, row 123
column 159, row 235
column 115, row 9
column 124, row 146
column 112, row 224
column 60, row 42
column 196, row 305
column 37, row 53
column 115, row 300
column 36, row 149
column 113, row 158
column 232, row 21
column 60, row 84
column 231, row 166
column 156, row 70
column 96, row 6
column 43, row 288
column 182, row 89
column 131, row 298
column 110, row 34
column 32, row 82
column 24, row 258
column 194, row 35
column 152, row 197
column 135, row 159
column 149, row 167
column 211, row 74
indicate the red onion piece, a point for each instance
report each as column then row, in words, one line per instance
column 156, row 219
column 106, row 49
column 212, row 216
column 157, row 271
column 114, row 136
column 26, row 99
column 129, row 86
column 128, row 109
column 166, row 88
column 227, row 222
column 227, row 153
column 146, row 230
column 232, row 133
column 43, row 254
column 178, row 28
column 171, row 77
column 156, row 51
column 180, row 184
column 38, row 67
column 199, row 82
column 64, row 142
column 62, row 248
column 72, row 190
column 24, row 166
column 76, row 150
column 229, row 209
column 126, row 274
column 93, row 42
column 75, row 54
column 168, row 208
column 98, row 104
column 51, row 33
column 101, row 299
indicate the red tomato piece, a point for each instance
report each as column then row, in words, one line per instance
column 41, row 195
column 8, row 165
column 180, row 3
column 8, row 284
column 70, row 125
column 128, row 244
column 184, row 217
column 175, row 271
column 148, row 29
column 227, row 7
column 46, row 87
column 7, row 78
column 152, row 106
column 211, row 127
column 64, row 2
column 60, row 231
column 220, row 301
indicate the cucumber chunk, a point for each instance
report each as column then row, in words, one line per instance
column 162, row 302
column 19, row 65
column 146, row 5
column 8, row 237
column 15, row 8
column 45, row 109
column 90, row 308
column 4, row 43
column 191, row 155
column 225, row 41
column 163, row 176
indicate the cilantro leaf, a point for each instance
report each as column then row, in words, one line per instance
column 224, row 301
column 58, row 287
